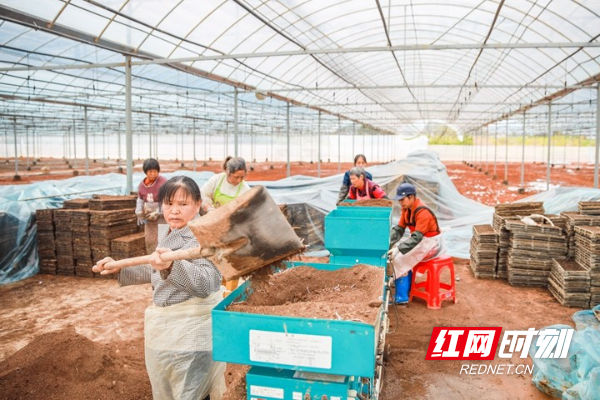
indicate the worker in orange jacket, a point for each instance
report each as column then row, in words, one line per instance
column 425, row 240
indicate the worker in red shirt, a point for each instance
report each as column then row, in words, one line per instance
column 424, row 242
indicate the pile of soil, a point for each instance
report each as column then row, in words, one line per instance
column 235, row 379
column 368, row 203
column 349, row 294
column 65, row 365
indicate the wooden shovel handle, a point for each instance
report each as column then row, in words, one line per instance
column 187, row 254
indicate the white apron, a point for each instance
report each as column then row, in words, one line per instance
column 178, row 348
column 428, row 248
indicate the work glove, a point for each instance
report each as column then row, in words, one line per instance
column 396, row 233
column 140, row 218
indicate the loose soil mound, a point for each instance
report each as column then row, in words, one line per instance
column 369, row 203
column 65, row 365
column 349, row 294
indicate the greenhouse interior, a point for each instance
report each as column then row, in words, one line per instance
column 362, row 190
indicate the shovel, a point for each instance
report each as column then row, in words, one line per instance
column 240, row 237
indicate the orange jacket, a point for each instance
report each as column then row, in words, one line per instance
column 424, row 221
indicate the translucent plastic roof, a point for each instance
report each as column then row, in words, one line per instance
column 391, row 65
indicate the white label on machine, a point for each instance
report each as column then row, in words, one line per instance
column 297, row 396
column 335, row 398
column 275, row 393
column 312, row 376
column 291, row 349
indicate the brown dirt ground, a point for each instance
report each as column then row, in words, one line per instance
column 483, row 188
column 59, row 169
column 89, row 322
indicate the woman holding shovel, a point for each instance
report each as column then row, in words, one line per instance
column 177, row 327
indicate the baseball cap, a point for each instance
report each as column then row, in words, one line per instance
column 404, row 190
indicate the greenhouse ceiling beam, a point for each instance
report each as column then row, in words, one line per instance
column 330, row 88
column 309, row 52
column 35, row 23
column 548, row 99
column 97, row 107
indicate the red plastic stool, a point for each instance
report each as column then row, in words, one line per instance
column 431, row 293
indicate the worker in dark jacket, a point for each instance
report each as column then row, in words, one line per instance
column 425, row 239
column 359, row 161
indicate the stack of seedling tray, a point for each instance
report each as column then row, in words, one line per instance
column 510, row 211
column 587, row 254
column 573, row 219
column 108, row 225
column 532, row 249
column 128, row 246
column 569, row 283
column 109, row 203
column 589, row 207
column 46, row 243
column 64, row 242
column 484, row 252
column 82, row 246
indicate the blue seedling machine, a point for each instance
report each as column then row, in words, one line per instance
column 308, row 358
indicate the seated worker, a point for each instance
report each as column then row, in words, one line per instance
column 359, row 161
column 362, row 187
column 424, row 242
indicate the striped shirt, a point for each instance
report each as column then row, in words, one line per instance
column 187, row 279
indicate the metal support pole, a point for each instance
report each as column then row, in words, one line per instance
column 75, row 142
column 16, row 177
column 194, row 140
column 353, row 137
column 252, row 159
column 128, row 134
column 495, row 153
column 597, row 136
column 578, row 150
column 6, row 144
column 523, row 154
column 27, row 146
column 119, row 145
column 272, row 135
column 235, row 121
column 506, row 156
column 226, row 140
column 182, row 159
column 85, row 127
column 339, row 145
column 549, row 145
column 288, row 169
column 487, row 149
column 150, row 135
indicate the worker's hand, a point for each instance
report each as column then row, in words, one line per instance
column 151, row 215
column 392, row 253
column 141, row 220
column 156, row 262
column 100, row 267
